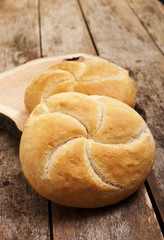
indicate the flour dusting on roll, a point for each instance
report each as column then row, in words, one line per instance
column 86, row 151
column 91, row 77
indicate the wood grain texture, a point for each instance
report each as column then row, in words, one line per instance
column 151, row 15
column 62, row 28
column 127, row 220
column 119, row 36
column 24, row 214
column 19, row 40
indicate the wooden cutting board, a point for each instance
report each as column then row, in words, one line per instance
column 14, row 82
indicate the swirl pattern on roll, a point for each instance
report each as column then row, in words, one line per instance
column 89, row 77
column 86, row 151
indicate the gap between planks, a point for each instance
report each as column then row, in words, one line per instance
column 87, row 26
column 155, row 207
column 39, row 25
column 146, row 29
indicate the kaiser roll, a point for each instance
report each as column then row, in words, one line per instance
column 90, row 77
column 86, row 151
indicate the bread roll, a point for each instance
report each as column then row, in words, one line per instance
column 86, row 151
column 90, row 77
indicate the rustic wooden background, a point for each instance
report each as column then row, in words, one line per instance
column 131, row 34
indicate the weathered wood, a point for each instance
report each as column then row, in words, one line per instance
column 131, row 219
column 19, row 39
column 24, row 214
column 113, row 30
column 119, row 36
column 62, row 28
column 151, row 15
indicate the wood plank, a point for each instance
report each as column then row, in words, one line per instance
column 119, row 36
column 62, row 28
column 112, row 222
column 103, row 223
column 151, row 15
column 19, row 39
column 24, row 214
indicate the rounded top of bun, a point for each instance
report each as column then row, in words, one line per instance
column 86, row 151
column 91, row 77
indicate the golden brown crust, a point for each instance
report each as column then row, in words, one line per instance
column 90, row 77
column 86, row 151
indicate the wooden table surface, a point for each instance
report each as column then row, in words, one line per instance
column 129, row 33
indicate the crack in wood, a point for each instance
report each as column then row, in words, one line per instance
column 75, row 59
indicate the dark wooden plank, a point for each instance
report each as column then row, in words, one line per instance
column 128, row 219
column 24, row 214
column 62, row 28
column 112, row 222
column 151, row 15
column 119, row 36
